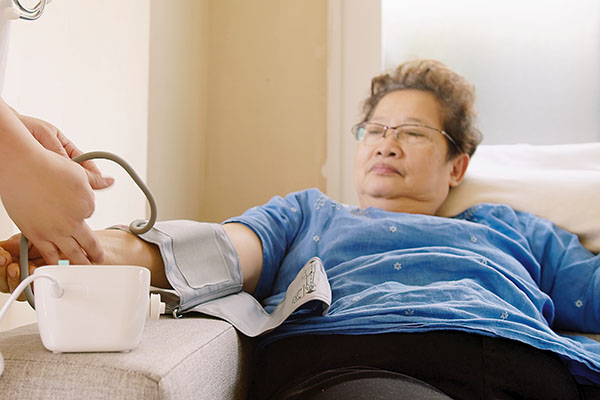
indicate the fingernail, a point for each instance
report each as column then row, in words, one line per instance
column 2, row 260
column 12, row 273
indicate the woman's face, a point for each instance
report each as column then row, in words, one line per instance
column 406, row 177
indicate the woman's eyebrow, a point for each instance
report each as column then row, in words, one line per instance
column 416, row 120
column 406, row 120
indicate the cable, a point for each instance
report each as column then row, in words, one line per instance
column 56, row 291
column 138, row 226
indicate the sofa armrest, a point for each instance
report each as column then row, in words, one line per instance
column 188, row 358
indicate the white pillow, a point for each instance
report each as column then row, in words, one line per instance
column 558, row 182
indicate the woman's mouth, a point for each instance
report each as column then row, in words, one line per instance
column 384, row 169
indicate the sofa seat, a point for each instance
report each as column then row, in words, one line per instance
column 188, row 358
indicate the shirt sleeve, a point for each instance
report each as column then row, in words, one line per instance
column 570, row 274
column 277, row 224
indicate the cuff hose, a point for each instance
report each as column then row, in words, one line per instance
column 138, row 226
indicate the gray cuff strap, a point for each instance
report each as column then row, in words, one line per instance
column 200, row 261
column 310, row 289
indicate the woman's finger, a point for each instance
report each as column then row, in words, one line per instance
column 13, row 276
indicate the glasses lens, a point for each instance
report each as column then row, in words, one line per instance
column 415, row 134
column 359, row 131
column 372, row 133
column 410, row 134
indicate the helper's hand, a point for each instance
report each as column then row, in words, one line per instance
column 52, row 139
column 120, row 248
column 49, row 197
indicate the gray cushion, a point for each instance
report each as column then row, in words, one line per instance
column 189, row 358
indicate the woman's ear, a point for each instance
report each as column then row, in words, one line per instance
column 459, row 167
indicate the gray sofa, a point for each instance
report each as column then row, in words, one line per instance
column 188, row 358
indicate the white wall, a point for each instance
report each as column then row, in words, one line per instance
column 84, row 67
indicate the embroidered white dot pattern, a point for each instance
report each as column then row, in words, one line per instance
column 397, row 266
column 393, row 229
column 320, row 203
column 409, row 312
column 316, row 238
column 504, row 315
column 356, row 298
column 578, row 303
column 473, row 239
column 293, row 209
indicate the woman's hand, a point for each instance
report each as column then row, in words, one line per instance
column 9, row 265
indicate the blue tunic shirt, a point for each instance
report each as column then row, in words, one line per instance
column 490, row 270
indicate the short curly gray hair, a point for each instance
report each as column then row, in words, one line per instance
column 455, row 94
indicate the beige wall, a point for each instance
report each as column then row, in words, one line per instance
column 177, row 105
column 237, row 103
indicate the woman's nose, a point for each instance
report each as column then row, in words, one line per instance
column 389, row 146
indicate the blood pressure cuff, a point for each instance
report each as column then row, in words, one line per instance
column 200, row 261
column 203, row 268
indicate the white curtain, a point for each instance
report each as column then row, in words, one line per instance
column 535, row 64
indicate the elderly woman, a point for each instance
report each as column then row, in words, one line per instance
column 421, row 306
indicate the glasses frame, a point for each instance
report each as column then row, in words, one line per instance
column 386, row 128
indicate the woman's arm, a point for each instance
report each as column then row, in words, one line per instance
column 124, row 248
column 249, row 249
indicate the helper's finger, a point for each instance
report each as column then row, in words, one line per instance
column 72, row 251
column 87, row 241
column 51, row 143
column 48, row 251
column 96, row 180
column 45, row 133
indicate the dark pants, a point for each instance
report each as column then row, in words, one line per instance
column 428, row 365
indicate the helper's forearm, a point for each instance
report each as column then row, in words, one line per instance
column 123, row 248
column 18, row 148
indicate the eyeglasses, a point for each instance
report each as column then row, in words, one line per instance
column 408, row 134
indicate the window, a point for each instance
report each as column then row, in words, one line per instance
column 535, row 65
